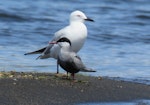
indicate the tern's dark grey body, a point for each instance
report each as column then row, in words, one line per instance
column 72, row 65
column 68, row 59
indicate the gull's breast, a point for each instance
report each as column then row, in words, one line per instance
column 77, row 35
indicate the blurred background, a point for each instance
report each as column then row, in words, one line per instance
column 118, row 43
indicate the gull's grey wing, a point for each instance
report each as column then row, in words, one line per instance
column 46, row 50
column 36, row 52
column 59, row 34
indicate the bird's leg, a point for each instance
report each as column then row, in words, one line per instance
column 72, row 81
column 72, row 74
column 67, row 75
column 57, row 67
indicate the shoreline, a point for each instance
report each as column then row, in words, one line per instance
column 29, row 88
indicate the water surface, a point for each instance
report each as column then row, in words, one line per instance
column 118, row 43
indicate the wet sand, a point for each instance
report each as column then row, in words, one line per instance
column 49, row 89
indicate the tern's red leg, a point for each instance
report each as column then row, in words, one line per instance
column 72, row 74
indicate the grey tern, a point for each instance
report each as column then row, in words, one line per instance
column 68, row 59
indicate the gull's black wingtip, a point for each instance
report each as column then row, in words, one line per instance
column 92, row 70
column 26, row 53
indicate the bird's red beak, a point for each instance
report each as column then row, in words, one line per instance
column 53, row 42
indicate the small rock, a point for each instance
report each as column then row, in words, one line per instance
column 82, row 90
column 99, row 78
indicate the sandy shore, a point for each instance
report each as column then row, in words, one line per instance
column 49, row 89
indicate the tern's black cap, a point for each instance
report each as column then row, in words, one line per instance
column 64, row 39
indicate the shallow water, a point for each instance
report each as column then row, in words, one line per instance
column 138, row 102
column 118, row 43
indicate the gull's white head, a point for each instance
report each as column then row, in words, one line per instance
column 78, row 16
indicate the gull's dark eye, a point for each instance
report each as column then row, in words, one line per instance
column 79, row 15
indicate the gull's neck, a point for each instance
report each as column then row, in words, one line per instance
column 77, row 21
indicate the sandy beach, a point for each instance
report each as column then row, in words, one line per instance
column 18, row 88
